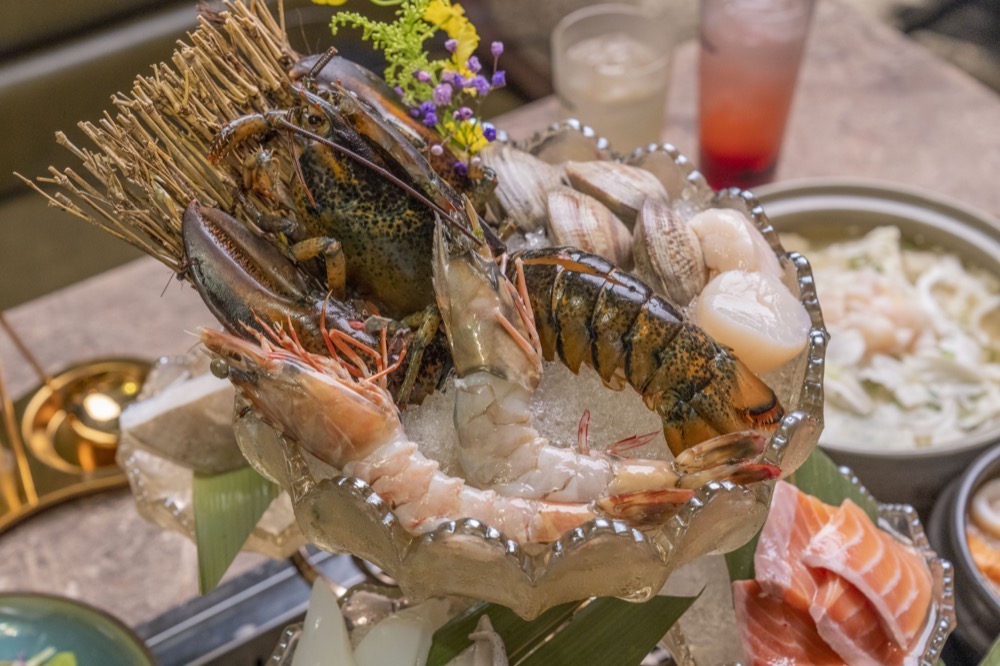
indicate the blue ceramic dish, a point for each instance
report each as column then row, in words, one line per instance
column 30, row 623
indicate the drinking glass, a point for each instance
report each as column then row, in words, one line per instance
column 611, row 70
column 749, row 61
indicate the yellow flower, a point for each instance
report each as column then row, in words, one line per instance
column 466, row 135
column 335, row 3
column 451, row 18
column 442, row 12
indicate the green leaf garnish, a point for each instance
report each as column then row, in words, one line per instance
column 47, row 657
column 611, row 632
column 62, row 659
column 604, row 631
column 226, row 509
column 739, row 562
column 518, row 634
column 992, row 657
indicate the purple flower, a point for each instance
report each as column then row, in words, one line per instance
column 463, row 113
column 422, row 76
column 448, row 76
column 442, row 94
column 459, row 81
column 481, row 85
column 427, row 107
column 499, row 79
column 415, row 112
column 461, row 169
column 496, row 48
column 431, row 119
column 473, row 64
column 437, row 149
column 399, row 91
column 451, row 45
column 489, row 132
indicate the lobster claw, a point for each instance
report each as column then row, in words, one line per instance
column 244, row 279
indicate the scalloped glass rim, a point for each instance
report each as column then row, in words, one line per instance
column 604, row 557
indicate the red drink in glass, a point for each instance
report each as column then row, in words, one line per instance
column 749, row 61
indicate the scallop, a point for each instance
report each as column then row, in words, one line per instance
column 756, row 315
column 731, row 242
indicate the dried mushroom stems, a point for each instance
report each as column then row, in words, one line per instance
column 151, row 157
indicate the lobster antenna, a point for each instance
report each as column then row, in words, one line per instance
column 323, row 61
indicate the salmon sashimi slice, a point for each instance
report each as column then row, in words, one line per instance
column 893, row 577
column 850, row 625
column 793, row 520
column 772, row 633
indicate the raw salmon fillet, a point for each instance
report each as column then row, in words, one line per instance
column 849, row 624
column 894, row 578
column 772, row 633
column 793, row 520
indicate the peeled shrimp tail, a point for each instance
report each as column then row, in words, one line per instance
column 422, row 497
column 352, row 424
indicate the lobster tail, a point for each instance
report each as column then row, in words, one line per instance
column 589, row 312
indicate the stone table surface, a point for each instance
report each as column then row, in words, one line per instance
column 870, row 104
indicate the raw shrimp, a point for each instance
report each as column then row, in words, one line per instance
column 496, row 352
column 347, row 419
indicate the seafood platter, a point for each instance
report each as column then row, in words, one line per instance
column 527, row 373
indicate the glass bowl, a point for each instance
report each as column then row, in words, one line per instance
column 603, row 557
column 699, row 638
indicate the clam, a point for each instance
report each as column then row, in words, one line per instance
column 581, row 221
column 667, row 253
column 523, row 184
column 620, row 187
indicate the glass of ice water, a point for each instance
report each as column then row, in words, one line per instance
column 611, row 70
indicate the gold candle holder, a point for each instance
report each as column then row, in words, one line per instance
column 59, row 442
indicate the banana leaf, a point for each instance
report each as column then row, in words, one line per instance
column 603, row 631
column 226, row 509
column 992, row 657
